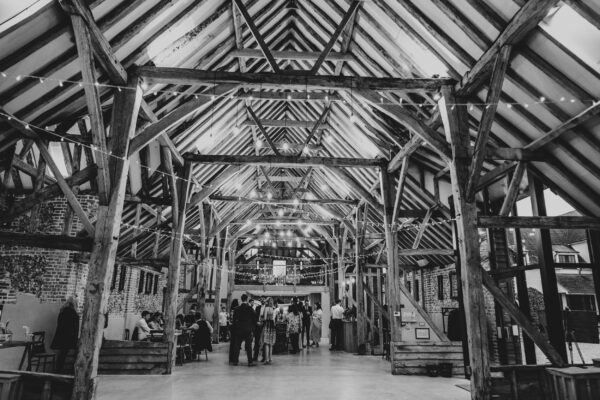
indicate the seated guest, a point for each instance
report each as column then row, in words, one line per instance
column 202, row 334
column 141, row 327
column 190, row 318
column 156, row 322
column 179, row 324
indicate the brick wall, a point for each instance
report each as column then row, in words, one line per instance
column 65, row 276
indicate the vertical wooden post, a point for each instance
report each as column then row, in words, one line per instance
column 174, row 265
column 593, row 238
column 104, row 250
column 455, row 119
column 361, row 325
column 218, row 276
column 231, row 274
column 554, row 312
column 37, row 186
column 392, row 280
column 523, row 294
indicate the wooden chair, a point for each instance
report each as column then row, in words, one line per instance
column 184, row 347
column 37, row 353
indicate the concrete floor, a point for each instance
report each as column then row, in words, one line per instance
column 314, row 374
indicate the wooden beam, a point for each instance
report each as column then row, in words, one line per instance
column 58, row 242
column 410, row 147
column 513, row 190
column 262, row 129
column 574, row 122
column 106, row 240
column 175, row 251
column 64, row 187
column 540, row 339
column 38, row 183
column 495, row 174
column 518, row 154
column 422, row 228
column 336, row 34
column 487, row 118
column 282, row 161
column 183, row 76
column 455, row 117
column 400, row 190
column 286, row 123
column 293, row 201
column 426, row 252
column 316, row 126
column 539, row 222
column 406, row 118
column 290, row 55
column 83, row 40
column 257, row 36
column 47, row 193
column 289, row 96
column 157, row 128
column 346, row 40
column 526, row 19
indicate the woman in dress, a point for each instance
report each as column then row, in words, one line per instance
column 315, row 325
column 269, row 333
column 294, row 327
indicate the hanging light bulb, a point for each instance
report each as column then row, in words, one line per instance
column 274, row 244
column 259, row 143
column 267, row 235
column 281, row 234
column 296, row 202
column 256, row 243
column 269, row 195
column 352, row 117
column 286, row 146
column 278, row 223
column 324, row 187
column 289, row 232
column 236, row 130
column 280, row 212
column 253, row 194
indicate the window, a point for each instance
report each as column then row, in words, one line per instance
column 155, row 290
column 440, row 287
column 409, row 286
column 566, row 258
column 122, row 278
column 453, row 285
column 113, row 282
column 141, row 282
column 149, row 283
column 417, row 291
column 581, row 302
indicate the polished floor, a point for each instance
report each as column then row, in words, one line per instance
column 314, row 374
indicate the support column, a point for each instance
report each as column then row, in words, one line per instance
column 231, row 275
column 176, row 248
column 361, row 325
column 553, row 309
column 106, row 240
column 593, row 238
column 392, row 280
column 455, row 120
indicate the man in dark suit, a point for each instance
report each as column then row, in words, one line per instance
column 244, row 321
column 306, row 315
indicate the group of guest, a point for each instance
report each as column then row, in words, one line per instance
column 148, row 323
column 257, row 323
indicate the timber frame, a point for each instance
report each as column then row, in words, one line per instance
column 325, row 121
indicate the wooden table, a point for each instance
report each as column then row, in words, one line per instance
column 18, row 343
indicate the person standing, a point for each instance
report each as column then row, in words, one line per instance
column 232, row 344
column 258, row 332
column 316, row 324
column 142, row 330
column 294, row 327
column 306, row 317
column 223, row 325
column 337, row 313
column 244, row 320
column 67, row 332
column 269, row 333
